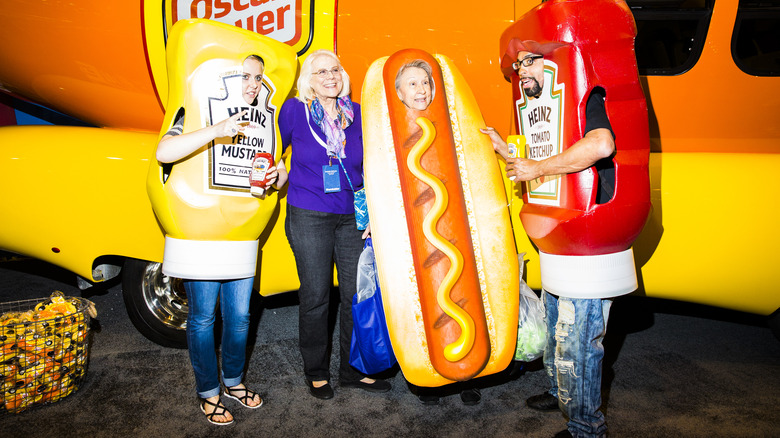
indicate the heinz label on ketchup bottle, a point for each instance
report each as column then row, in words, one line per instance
column 258, row 176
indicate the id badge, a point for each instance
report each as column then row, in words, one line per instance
column 330, row 178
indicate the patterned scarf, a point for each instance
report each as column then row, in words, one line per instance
column 334, row 129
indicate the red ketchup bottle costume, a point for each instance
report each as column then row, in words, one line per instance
column 585, row 247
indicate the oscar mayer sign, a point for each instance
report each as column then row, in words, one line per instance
column 277, row 19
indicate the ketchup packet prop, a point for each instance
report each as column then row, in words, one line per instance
column 370, row 351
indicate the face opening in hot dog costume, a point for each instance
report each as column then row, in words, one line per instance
column 446, row 259
column 203, row 201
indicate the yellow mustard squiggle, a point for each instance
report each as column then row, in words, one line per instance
column 460, row 348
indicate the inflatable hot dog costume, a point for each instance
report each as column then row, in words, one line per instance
column 585, row 245
column 446, row 259
column 203, row 202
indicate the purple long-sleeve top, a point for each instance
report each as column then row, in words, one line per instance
column 306, row 188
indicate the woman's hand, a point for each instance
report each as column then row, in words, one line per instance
column 277, row 177
column 230, row 126
column 175, row 147
column 272, row 175
column 281, row 176
column 367, row 231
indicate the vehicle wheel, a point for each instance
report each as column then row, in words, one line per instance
column 774, row 323
column 156, row 303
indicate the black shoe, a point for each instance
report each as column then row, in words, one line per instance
column 516, row 368
column 563, row 434
column 470, row 397
column 429, row 400
column 377, row 386
column 543, row 402
column 324, row 392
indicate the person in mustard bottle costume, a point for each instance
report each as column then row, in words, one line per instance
column 233, row 296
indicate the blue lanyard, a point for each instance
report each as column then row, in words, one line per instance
column 346, row 174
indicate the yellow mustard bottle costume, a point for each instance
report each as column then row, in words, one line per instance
column 203, row 202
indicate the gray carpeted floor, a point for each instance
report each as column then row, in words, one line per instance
column 673, row 370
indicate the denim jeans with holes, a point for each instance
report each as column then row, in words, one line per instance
column 573, row 359
column 202, row 296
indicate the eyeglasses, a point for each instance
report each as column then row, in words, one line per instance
column 322, row 74
column 526, row 62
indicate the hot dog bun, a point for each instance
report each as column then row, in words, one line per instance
column 478, row 313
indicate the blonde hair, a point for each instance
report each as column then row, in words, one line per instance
column 305, row 90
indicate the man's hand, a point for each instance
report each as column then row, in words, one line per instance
column 499, row 145
column 522, row 169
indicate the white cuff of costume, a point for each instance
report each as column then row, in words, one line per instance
column 589, row 276
column 210, row 260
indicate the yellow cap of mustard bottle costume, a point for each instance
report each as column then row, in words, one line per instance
column 203, row 201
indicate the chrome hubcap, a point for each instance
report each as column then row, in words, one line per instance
column 165, row 297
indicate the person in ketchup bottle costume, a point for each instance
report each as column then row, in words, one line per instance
column 233, row 295
column 576, row 390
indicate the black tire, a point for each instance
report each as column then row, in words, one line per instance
column 156, row 303
column 774, row 323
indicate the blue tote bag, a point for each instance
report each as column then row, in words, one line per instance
column 370, row 351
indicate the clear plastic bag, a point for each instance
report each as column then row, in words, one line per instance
column 531, row 328
column 366, row 275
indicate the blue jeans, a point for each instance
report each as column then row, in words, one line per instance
column 573, row 358
column 202, row 296
column 318, row 239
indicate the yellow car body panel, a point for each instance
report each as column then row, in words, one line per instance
column 73, row 194
column 710, row 238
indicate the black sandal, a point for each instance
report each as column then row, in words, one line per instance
column 248, row 395
column 219, row 409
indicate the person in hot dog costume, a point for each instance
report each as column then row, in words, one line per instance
column 220, row 113
column 445, row 254
column 415, row 87
column 586, row 186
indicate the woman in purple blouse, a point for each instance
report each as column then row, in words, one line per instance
column 323, row 128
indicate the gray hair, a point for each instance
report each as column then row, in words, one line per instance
column 418, row 63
